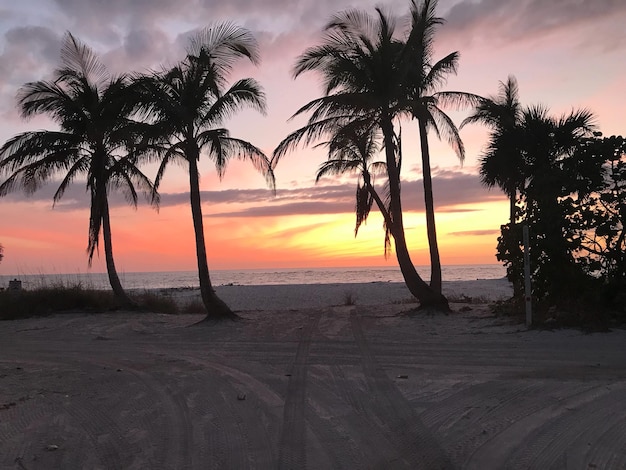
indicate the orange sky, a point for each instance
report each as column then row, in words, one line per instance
column 563, row 63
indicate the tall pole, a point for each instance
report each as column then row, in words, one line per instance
column 527, row 286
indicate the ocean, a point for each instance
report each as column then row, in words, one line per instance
column 176, row 279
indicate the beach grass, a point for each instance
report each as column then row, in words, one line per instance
column 47, row 300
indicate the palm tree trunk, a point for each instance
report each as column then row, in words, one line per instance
column 435, row 262
column 114, row 279
column 516, row 251
column 216, row 308
column 427, row 297
column 512, row 206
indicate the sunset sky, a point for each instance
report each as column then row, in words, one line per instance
column 565, row 54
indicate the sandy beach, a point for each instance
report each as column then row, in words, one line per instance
column 304, row 381
column 290, row 296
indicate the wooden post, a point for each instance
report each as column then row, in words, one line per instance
column 527, row 285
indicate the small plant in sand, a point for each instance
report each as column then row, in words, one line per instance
column 157, row 303
column 466, row 299
column 195, row 306
column 408, row 300
column 349, row 298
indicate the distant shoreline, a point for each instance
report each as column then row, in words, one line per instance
column 250, row 277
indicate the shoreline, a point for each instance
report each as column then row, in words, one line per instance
column 312, row 296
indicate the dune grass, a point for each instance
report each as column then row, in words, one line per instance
column 47, row 300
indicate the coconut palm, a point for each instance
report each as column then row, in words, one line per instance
column 351, row 151
column 360, row 61
column 93, row 141
column 422, row 79
column 501, row 163
column 187, row 106
column 547, row 145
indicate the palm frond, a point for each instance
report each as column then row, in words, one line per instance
column 448, row 130
column 456, row 100
column 245, row 92
column 78, row 57
column 81, row 166
column 306, row 135
column 437, row 75
column 364, row 201
column 98, row 206
column 218, row 46
column 334, row 167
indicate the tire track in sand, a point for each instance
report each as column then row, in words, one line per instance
column 292, row 448
column 415, row 445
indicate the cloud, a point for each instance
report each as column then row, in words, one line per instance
column 510, row 21
column 29, row 53
column 454, row 189
column 451, row 189
column 294, row 208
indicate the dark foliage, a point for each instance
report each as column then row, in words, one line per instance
column 66, row 299
column 575, row 206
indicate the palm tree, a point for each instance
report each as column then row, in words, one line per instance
column 501, row 164
column 422, row 79
column 351, row 150
column 1, row 252
column 93, row 141
column 547, row 143
column 550, row 174
column 360, row 61
column 187, row 106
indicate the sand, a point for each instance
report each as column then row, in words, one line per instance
column 288, row 297
column 314, row 386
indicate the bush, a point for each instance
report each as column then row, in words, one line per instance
column 46, row 300
column 151, row 302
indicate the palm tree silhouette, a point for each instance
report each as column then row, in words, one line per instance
column 501, row 164
column 548, row 146
column 360, row 60
column 351, row 150
column 422, row 79
column 95, row 140
column 186, row 107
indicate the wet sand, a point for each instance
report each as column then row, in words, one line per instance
column 331, row 386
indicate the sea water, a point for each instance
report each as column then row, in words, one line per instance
column 177, row 279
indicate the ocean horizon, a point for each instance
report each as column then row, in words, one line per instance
column 268, row 276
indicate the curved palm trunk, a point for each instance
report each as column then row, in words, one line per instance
column 435, row 262
column 427, row 296
column 114, row 279
column 216, row 308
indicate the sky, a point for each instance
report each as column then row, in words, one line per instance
column 565, row 54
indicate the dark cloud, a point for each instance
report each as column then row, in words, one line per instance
column 29, row 53
column 318, row 207
column 451, row 190
column 508, row 21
